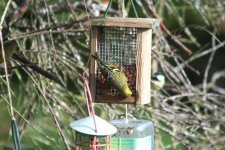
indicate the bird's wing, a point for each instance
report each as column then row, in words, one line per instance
column 118, row 78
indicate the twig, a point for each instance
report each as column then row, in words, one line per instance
column 204, row 85
column 187, row 50
column 56, row 121
column 30, row 34
column 4, row 59
column 68, row 4
column 63, row 105
column 69, row 42
column 54, row 117
column 34, row 67
column 29, row 114
column 51, row 36
column 203, row 53
column 19, row 12
column 53, row 29
column 36, row 129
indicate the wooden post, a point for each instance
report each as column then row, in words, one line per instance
column 93, row 66
column 143, row 65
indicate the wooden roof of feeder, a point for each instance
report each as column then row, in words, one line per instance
column 124, row 22
column 124, row 42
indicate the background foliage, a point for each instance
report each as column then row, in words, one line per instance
column 54, row 50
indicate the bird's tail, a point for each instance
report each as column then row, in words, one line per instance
column 96, row 57
column 104, row 64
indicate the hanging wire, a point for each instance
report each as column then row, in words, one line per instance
column 135, row 11
column 107, row 9
column 87, row 92
column 89, row 100
column 132, row 3
column 123, row 11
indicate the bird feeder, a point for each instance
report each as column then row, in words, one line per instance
column 92, row 135
column 125, row 42
column 133, row 134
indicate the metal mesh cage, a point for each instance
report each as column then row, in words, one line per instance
column 90, row 142
column 117, row 45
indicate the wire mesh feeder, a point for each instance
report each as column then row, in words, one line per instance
column 125, row 42
column 115, row 49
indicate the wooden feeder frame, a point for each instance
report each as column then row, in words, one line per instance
column 144, row 28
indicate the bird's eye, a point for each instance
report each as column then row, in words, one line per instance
column 154, row 78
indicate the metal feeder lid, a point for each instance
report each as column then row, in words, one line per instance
column 86, row 126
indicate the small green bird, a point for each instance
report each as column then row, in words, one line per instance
column 115, row 77
column 10, row 48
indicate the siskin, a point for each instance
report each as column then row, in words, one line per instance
column 157, row 82
column 115, row 77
